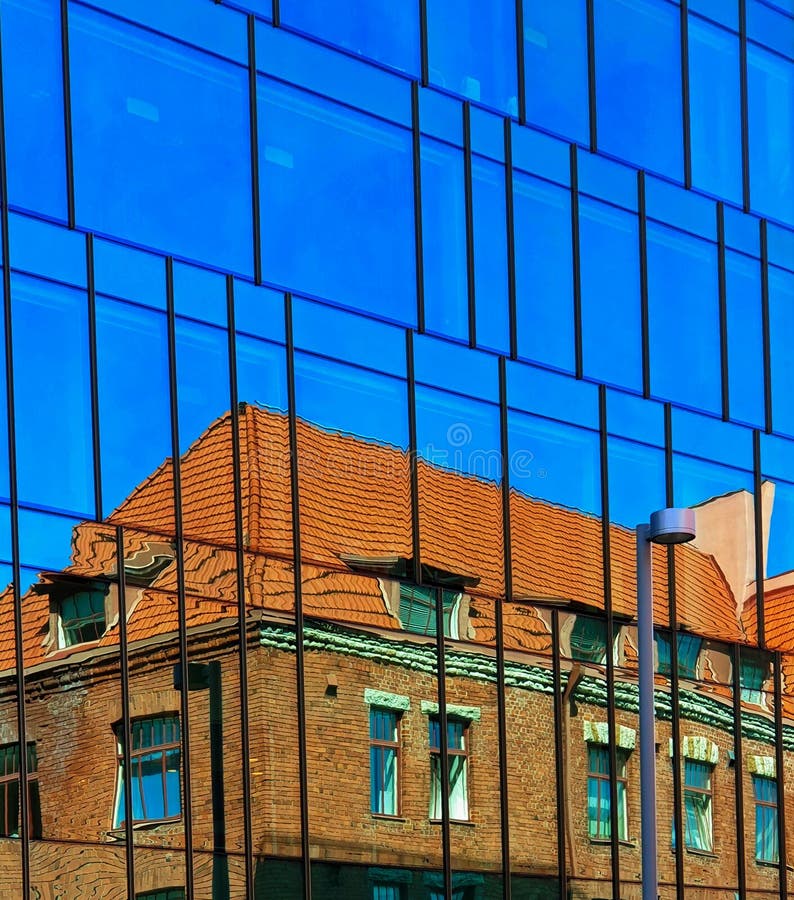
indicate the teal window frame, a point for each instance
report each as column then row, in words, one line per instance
column 418, row 610
column 754, row 668
column 599, row 797
column 767, row 845
column 698, row 803
column 384, row 757
column 82, row 617
column 689, row 647
column 588, row 640
column 458, row 754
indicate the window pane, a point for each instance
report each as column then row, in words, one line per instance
column 462, row 40
column 555, row 61
column 175, row 118
column 745, row 338
column 781, row 325
column 715, row 113
column 638, row 83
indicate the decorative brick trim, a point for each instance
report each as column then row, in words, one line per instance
column 386, row 700
column 471, row 713
column 762, row 765
column 598, row 733
column 697, row 747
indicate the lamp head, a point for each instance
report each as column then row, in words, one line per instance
column 673, row 525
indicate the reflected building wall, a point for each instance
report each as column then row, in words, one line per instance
column 343, row 349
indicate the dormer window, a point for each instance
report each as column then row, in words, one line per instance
column 418, row 610
column 688, row 654
column 82, row 617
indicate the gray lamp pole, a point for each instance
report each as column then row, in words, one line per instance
column 668, row 526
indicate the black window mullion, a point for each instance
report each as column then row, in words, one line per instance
column 242, row 631
column 254, row 134
column 743, row 94
column 424, row 63
column 180, row 573
column 67, row 114
column 738, row 771
column 413, row 458
column 779, row 775
column 644, row 324
column 94, row 375
column 576, row 258
column 19, row 653
column 768, row 386
column 416, row 136
column 126, row 728
column 686, row 123
column 511, row 236
column 591, row 76
column 501, row 700
column 724, row 358
column 443, row 741
column 300, row 671
column 559, row 757
column 758, row 519
column 520, row 70
column 468, row 191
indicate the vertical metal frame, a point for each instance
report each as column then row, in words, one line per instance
column 413, row 457
column 468, row 194
column 511, row 239
column 738, row 771
column 423, row 51
column 758, row 522
column 723, row 299
column 126, row 729
column 176, row 467
column 276, row 13
column 446, row 850
column 678, row 818
column 745, row 115
column 242, row 611
column 520, row 66
column 685, row 111
column 19, row 650
column 591, row 76
column 253, row 124
column 779, row 776
column 416, row 143
column 501, row 689
column 576, row 261
column 94, row 370
column 642, row 227
column 606, row 558
column 768, row 386
column 300, row 671
column 559, row 757
column 67, row 113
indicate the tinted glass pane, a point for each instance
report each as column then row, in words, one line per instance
column 683, row 314
column 745, row 339
column 175, row 118
column 544, row 286
column 384, row 30
column 611, row 311
column 781, row 323
column 555, row 59
column 770, row 86
column 33, row 101
column 715, row 113
column 444, row 240
column 356, row 245
column 462, row 40
column 638, row 83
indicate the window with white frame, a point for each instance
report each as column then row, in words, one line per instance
column 458, row 768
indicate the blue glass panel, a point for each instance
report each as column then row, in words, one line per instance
column 259, row 311
column 322, row 70
column 33, row 103
column 636, row 481
column 715, row 110
column 726, row 12
column 383, row 30
column 134, row 421
column 438, row 362
column 209, row 26
column 742, row 231
column 458, row 433
column 555, row 62
column 552, row 395
column 441, row 116
column 540, row 154
column 610, row 278
column 554, row 461
column 776, row 466
column 202, row 363
column 544, row 287
column 781, row 327
column 199, row 294
column 683, row 316
column 444, row 240
column 712, row 439
column 487, row 134
column 176, row 118
column 608, row 180
column 490, row 255
column 745, row 338
column 638, row 83
column 261, row 373
column 356, row 246
column 770, row 27
column 672, row 205
column 53, row 426
column 331, row 332
column 780, row 245
column 462, row 38
column 352, row 400
column 129, row 274
column 629, row 416
column 45, row 540
column 770, row 85
column 697, row 481
column 43, row 249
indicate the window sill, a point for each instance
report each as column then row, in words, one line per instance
column 706, row 854
column 767, row 864
column 383, row 817
column 467, row 822
column 606, row 842
column 117, row 834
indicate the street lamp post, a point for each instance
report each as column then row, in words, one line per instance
column 668, row 526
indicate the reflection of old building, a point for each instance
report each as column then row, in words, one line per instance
column 374, row 792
